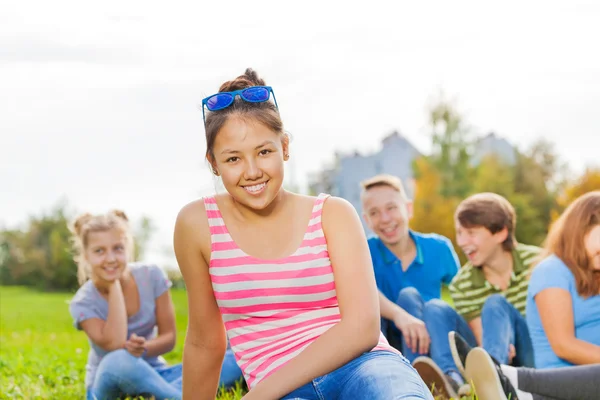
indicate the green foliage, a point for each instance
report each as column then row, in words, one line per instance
column 450, row 150
column 587, row 182
column 42, row 356
column 449, row 175
column 39, row 256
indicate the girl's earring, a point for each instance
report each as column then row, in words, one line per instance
column 286, row 156
column 215, row 172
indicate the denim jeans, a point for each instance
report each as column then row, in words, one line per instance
column 503, row 325
column 377, row 375
column 120, row 373
column 439, row 319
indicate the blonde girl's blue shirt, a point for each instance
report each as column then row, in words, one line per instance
column 88, row 303
column 552, row 272
column 435, row 264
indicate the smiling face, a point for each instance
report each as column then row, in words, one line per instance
column 249, row 157
column 106, row 254
column 592, row 247
column 479, row 244
column 386, row 213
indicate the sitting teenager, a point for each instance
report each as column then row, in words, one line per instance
column 286, row 277
column 489, row 293
column 490, row 290
column 127, row 313
column 410, row 269
column 563, row 303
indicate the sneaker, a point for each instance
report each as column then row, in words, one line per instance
column 459, row 349
column 488, row 381
column 439, row 383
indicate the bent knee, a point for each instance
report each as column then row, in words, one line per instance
column 118, row 360
column 495, row 300
column 409, row 291
column 409, row 295
column 436, row 307
column 495, row 303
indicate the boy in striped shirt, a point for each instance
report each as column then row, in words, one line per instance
column 490, row 290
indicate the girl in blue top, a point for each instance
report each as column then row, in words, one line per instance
column 127, row 313
column 563, row 301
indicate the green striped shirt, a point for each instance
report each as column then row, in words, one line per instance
column 469, row 288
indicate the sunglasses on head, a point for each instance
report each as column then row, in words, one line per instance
column 253, row 94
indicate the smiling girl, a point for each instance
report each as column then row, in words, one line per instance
column 126, row 311
column 563, row 302
column 287, row 277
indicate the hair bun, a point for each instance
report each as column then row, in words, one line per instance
column 120, row 214
column 248, row 79
column 81, row 221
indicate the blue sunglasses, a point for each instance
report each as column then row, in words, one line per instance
column 253, row 94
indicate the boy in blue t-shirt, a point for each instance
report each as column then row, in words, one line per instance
column 410, row 269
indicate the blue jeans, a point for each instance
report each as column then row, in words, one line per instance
column 119, row 373
column 503, row 325
column 377, row 375
column 439, row 319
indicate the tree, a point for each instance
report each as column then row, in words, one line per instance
column 587, row 182
column 450, row 149
column 494, row 175
column 449, row 175
column 431, row 211
column 540, row 173
column 40, row 255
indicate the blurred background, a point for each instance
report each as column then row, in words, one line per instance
column 100, row 109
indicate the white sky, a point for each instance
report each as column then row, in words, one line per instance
column 99, row 101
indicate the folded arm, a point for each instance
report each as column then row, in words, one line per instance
column 110, row 334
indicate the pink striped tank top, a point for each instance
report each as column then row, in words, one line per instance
column 273, row 309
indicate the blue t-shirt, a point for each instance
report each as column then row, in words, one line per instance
column 552, row 272
column 88, row 303
column 436, row 263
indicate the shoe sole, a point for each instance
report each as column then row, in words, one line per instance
column 433, row 376
column 454, row 351
column 481, row 373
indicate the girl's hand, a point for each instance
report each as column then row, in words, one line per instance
column 136, row 345
column 105, row 286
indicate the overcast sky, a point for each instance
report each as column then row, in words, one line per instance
column 99, row 101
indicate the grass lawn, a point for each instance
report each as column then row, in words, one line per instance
column 42, row 356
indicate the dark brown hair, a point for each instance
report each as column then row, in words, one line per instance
column 266, row 113
column 491, row 211
column 566, row 241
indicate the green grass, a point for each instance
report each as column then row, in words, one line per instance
column 42, row 356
